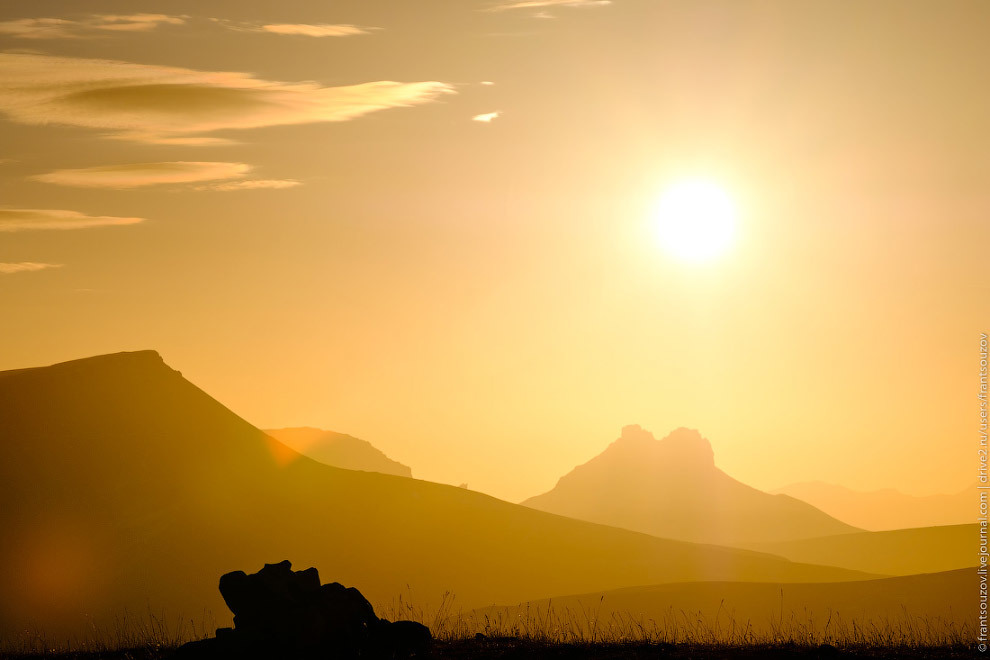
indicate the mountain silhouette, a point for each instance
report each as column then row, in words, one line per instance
column 887, row 509
column 339, row 450
column 125, row 488
column 671, row 488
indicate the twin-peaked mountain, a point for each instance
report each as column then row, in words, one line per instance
column 339, row 450
column 126, row 489
column 672, row 489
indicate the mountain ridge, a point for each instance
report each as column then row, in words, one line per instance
column 339, row 450
column 672, row 488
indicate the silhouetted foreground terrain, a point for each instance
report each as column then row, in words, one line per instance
column 510, row 648
column 125, row 488
column 913, row 616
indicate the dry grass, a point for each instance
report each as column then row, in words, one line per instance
column 151, row 635
column 538, row 631
column 550, row 625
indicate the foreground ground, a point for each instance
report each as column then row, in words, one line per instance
column 509, row 648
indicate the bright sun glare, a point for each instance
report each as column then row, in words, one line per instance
column 695, row 220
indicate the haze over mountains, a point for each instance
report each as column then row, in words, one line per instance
column 125, row 487
column 887, row 509
column 672, row 488
column 339, row 450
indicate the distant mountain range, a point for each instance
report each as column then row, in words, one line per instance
column 125, row 488
column 887, row 509
column 339, row 450
column 672, row 489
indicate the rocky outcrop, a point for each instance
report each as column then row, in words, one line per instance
column 281, row 613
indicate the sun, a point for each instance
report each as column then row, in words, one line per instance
column 695, row 220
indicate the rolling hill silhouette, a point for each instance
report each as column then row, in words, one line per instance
column 894, row 552
column 671, row 488
column 339, row 450
column 919, row 600
column 887, row 509
column 125, row 487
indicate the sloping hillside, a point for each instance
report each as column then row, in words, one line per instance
column 125, row 486
column 896, row 552
column 931, row 604
column 671, row 488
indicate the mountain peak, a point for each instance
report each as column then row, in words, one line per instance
column 682, row 446
column 636, row 433
column 142, row 358
column 671, row 488
column 125, row 362
column 689, row 446
column 339, row 450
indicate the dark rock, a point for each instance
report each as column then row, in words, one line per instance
column 202, row 649
column 403, row 639
column 280, row 613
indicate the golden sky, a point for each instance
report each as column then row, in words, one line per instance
column 429, row 224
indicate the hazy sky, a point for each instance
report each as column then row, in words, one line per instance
column 428, row 224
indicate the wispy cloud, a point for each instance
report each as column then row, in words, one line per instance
column 252, row 184
column 298, row 29
column 318, row 30
column 487, row 117
column 536, row 4
column 171, row 105
column 64, row 28
column 25, row 267
column 46, row 219
column 134, row 175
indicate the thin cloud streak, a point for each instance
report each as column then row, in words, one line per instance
column 297, row 29
column 536, row 4
column 252, row 184
column 25, row 267
column 63, row 28
column 12, row 220
column 135, row 175
column 172, row 105
column 317, row 30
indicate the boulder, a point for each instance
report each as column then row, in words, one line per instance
column 281, row 613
